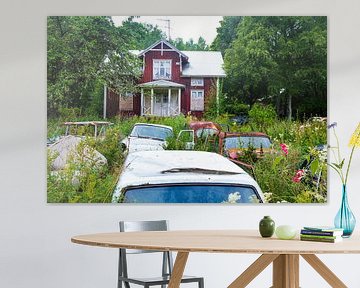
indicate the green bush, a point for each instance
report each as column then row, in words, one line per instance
column 82, row 180
column 274, row 172
column 237, row 108
column 262, row 116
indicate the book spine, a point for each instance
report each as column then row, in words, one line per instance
column 319, row 236
column 320, row 233
column 318, row 239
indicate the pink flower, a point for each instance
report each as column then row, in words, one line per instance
column 298, row 176
column 284, row 148
column 233, row 155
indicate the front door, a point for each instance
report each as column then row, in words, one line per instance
column 161, row 104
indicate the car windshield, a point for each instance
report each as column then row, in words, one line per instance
column 205, row 132
column 154, row 132
column 246, row 141
column 191, row 193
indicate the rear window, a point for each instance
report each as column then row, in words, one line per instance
column 205, row 132
column 153, row 132
column 218, row 193
column 246, row 142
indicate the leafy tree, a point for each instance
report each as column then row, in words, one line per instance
column 279, row 60
column 83, row 51
column 226, row 33
column 248, row 63
column 141, row 35
column 190, row 45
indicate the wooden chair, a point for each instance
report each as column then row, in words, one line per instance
column 167, row 262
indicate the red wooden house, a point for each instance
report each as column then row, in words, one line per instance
column 172, row 82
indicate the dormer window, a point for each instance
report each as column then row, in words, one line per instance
column 162, row 69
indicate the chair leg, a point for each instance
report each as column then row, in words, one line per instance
column 201, row 283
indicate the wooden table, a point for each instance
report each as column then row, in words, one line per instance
column 284, row 254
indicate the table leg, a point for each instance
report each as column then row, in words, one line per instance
column 324, row 271
column 178, row 270
column 286, row 271
column 253, row 270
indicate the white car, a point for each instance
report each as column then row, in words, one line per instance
column 150, row 137
column 174, row 176
column 146, row 136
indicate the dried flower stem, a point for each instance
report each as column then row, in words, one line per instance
column 339, row 160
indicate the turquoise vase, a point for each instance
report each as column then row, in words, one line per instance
column 345, row 219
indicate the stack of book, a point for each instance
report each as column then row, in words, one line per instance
column 321, row 234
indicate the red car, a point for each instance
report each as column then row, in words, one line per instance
column 230, row 143
column 204, row 129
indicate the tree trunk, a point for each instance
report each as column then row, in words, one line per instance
column 277, row 103
column 289, row 107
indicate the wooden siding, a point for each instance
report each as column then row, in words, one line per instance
column 168, row 55
column 112, row 103
column 113, row 99
column 186, row 94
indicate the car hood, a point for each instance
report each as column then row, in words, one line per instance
column 144, row 144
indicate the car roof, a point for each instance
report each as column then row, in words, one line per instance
column 249, row 134
column 173, row 166
column 204, row 124
column 154, row 125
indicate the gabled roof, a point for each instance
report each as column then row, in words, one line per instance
column 198, row 64
column 204, row 63
column 162, row 83
column 164, row 42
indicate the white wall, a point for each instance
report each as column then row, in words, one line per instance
column 35, row 248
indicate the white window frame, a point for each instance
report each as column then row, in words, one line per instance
column 159, row 61
column 197, row 82
column 191, row 102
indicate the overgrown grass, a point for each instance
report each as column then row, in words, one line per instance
column 87, row 183
column 274, row 173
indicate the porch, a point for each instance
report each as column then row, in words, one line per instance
column 161, row 98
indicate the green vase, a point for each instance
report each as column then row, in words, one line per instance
column 266, row 227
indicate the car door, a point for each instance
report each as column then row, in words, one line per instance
column 188, row 138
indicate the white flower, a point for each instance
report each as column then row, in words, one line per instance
column 267, row 196
column 234, row 197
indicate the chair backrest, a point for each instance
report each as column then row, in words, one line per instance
column 134, row 226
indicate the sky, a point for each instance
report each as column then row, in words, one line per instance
column 185, row 27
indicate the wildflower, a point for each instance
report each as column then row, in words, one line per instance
column 268, row 196
column 332, row 125
column 234, row 197
column 233, row 155
column 284, row 148
column 355, row 138
column 339, row 161
column 298, row 176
